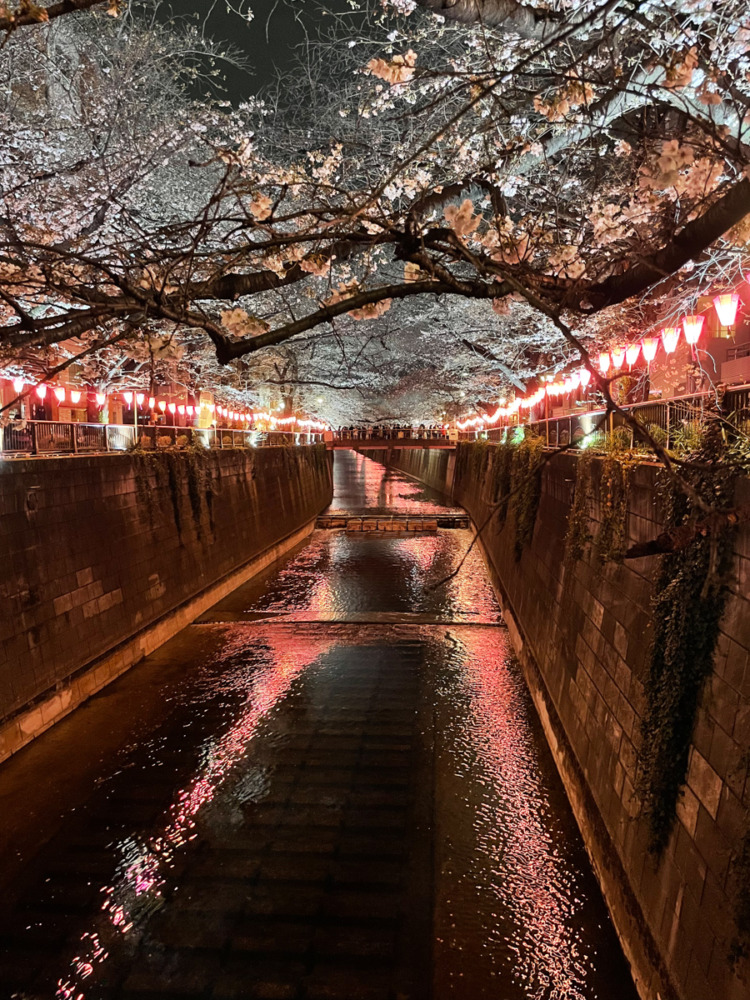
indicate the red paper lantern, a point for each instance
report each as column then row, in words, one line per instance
column 631, row 354
column 618, row 357
column 101, row 399
column 585, row 376
column 604, row 362
column 41, row 391
column 726, row 308
column 693, row 327
column 670, row 335
column 162, row 405
column 60, row 394
column 649, row 347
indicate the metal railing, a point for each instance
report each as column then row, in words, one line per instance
column 674, row 417
column 54, row 437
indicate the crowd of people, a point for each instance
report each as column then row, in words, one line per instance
column 389, row 431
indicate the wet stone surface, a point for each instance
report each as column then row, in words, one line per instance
column 333, row 786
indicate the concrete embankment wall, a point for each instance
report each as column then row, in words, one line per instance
column 433, row 466
column 582, row 630
column 106, row 557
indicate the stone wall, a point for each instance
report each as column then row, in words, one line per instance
column 432, row 466
column 106, row 557
column 582, row 633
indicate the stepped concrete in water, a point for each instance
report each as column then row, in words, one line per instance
column 332, row 785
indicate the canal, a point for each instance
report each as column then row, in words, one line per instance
column 332, row 785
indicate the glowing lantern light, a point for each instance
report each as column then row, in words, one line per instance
column 190, row 410
column 60, row 394
column 151, row 402
column 162, row 405
column 631, row 354
column 669, row 337
column 41, row 391
column 585, row 376
column 75, row 396
column 181, row 410
column 140, row 398
column 128, row 397
column 212, row 407
column 172, row 407
column 649, row 347
column 726, row 308
column 693, row 327
column 17, row 385
column 101, row 399
column 618, row 357
column 604, row 361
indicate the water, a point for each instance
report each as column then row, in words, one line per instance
column 332, row 786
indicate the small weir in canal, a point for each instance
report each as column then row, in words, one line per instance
column 332, row 785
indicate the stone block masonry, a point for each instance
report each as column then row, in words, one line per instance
column 582, row 632
column 432, row 466
column 106, row 557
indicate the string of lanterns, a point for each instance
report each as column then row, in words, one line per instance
column 691, row 327
column 74, row 397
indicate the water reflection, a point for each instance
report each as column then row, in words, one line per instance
column 518, row 905
column 359, row 485
column 341, row 728
column 265, row 667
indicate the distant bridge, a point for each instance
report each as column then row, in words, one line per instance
column 370, row 444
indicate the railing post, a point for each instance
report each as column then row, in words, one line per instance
column 34, row 439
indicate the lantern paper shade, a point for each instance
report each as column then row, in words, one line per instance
column 60, row 394
column 172, row 407
column 726, row 308
column 41, row 391
column 151, row 402
column 669, row 337
column 140, row 398
column 128, row 397
column 75, row 396
column 618, row 357
column 17, row 385
column 604, row 362
column 189, row 410
column 162, row 405
column 101, row 399
column 631, row 354
column 649, row 347
column 693, row 327
column 181, row 409
column 585, row 376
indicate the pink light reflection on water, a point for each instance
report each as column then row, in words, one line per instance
column 136, row 892
column 514, row 855
column 363, row 484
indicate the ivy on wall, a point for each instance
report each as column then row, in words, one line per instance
column 510, row 474
column 689, row 599
column 526, row 488
column 614, row 497
column 579, row 534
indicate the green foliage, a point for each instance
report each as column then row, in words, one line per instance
column 526, row 488
column 689, row 599
column 578, row 533
column 688, row 437
column 614, row 495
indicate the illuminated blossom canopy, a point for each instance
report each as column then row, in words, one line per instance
column 500, row 165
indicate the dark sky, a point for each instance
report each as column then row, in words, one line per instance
column 267, row 41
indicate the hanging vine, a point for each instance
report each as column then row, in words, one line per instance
column 526, row 489
column 578, row 534
column 689, row 599
column 614, row 496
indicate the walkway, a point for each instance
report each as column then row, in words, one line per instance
column 331, row 786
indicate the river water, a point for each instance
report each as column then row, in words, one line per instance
column 333, row 785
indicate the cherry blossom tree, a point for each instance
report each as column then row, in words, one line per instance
column 579, row 158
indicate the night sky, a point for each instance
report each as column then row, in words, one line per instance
column 267, row 41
